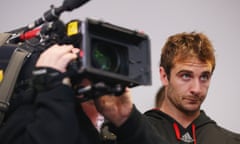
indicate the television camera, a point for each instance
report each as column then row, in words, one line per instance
column 111, row 57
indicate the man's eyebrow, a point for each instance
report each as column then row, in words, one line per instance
column 189, row 71
column 207, row 72
column 184, row 71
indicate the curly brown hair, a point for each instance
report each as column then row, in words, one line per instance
column 182, row 46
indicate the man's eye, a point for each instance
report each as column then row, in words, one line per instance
column 204, row 77
column 186, row 76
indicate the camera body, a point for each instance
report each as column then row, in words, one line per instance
column 111, row 57
column 110, row 53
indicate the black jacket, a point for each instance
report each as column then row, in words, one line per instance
column 52, row 118
column 203, row 129
column 138, row 129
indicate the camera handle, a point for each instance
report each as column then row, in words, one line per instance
column 99, row 89
column 54, row 13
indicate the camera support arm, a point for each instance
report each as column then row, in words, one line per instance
column 99, row 89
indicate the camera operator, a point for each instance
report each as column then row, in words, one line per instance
column 55, row 116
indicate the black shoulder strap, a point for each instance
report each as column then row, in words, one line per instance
column 10, row 76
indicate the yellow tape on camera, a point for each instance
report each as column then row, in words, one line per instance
column 1, row 75
column 72, row 28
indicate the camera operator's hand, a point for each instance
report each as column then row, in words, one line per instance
column 116, row 109
column 57, row 57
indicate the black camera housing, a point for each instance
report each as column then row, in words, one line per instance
column 112, row 54
column 111, row 57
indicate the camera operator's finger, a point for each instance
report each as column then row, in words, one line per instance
column 56, row 57
column 65, row 59
column 115, row 108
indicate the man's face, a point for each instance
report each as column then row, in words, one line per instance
column 188, row 84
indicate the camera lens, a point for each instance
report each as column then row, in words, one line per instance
column 105, row 56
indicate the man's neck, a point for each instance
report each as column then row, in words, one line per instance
column 183, row 118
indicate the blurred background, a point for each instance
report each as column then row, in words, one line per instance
column 219, row 19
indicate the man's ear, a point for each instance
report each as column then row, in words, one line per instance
column 163, row 76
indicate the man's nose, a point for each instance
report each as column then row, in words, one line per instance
column 195, row 87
